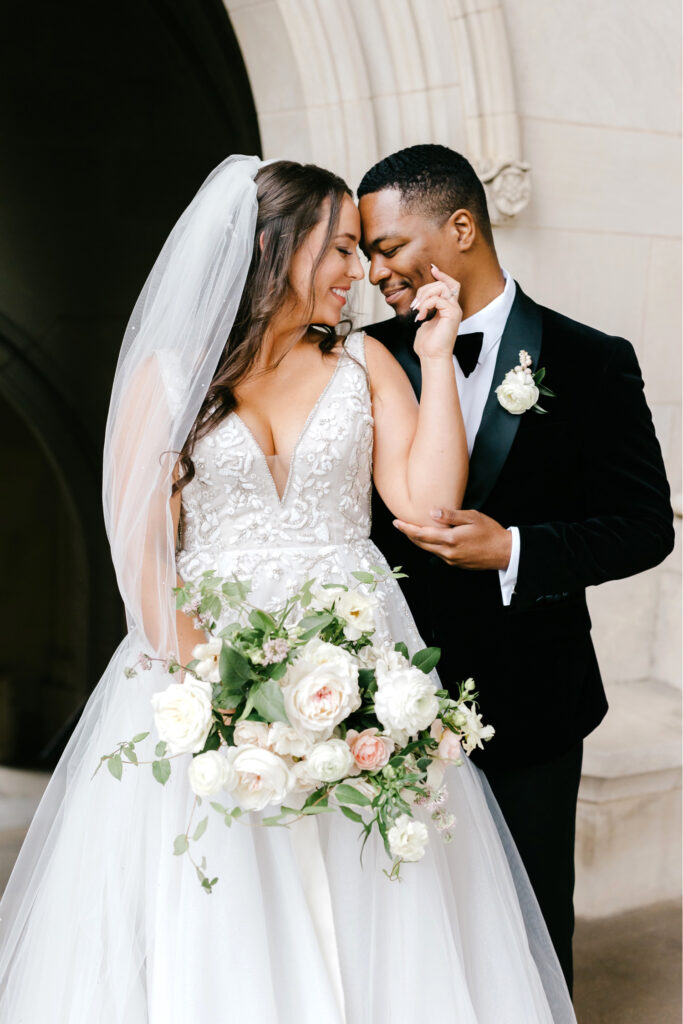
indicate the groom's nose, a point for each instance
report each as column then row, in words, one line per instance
column 378, row 269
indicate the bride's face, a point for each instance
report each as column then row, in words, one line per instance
column 322, row 293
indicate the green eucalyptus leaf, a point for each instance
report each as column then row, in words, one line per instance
column 234, row 668
column 261, row 620
column 269, row 701
column 363, row 577
column 278, row 671
column 115, row 766
column 180, row 845
column 129, row 751
column 140, row 737
column 200, row 829
column 346, row 794
column 161, row 770
column 427, row 659
column 318, row 809
column 402, row 649
column 160, row 749
column 236, row 590
column 218, row 807
column 352, row 815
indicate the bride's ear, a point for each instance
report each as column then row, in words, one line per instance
column 261, row 241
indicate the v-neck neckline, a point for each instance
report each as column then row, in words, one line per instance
column 302, row 433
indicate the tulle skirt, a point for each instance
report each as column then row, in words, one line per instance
column 102, row 924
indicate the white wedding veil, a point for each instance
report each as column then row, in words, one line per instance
column 171, row 347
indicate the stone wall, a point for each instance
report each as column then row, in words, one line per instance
column 571, row 114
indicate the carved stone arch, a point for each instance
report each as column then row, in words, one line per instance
column 344, row 82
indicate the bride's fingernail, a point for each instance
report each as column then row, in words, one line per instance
column 436, row 513
column 413, row 304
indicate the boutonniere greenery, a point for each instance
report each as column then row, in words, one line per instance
column 522, row 387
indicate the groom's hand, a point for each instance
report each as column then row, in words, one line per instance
column 465, row 538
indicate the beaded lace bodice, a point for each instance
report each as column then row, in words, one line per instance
column 234, row 519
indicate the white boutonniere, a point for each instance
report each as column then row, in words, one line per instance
column 521, row 388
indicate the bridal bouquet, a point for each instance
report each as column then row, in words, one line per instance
column 301, row 710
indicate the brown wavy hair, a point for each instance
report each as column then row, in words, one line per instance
column 291, row 199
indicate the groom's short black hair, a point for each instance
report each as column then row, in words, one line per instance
column 433, row 180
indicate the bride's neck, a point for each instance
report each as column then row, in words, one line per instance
column 281, row 335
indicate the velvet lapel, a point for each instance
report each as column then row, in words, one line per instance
column 498, row 428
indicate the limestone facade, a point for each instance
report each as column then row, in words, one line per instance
column 571, row 114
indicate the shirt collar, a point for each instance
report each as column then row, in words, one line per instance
column 491, row 319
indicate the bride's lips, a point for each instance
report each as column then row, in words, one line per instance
column 341, row 299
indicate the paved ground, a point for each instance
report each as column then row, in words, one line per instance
column 628, row 968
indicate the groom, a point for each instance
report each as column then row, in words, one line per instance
column 555, row 503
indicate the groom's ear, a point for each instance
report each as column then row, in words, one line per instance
column 463, row 229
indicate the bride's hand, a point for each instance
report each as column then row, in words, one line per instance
column 436, row 337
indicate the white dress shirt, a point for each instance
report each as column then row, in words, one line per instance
column 474, row 390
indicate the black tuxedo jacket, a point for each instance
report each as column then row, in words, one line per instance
column 586, row 486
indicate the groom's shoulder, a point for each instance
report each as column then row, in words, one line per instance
column 390, row 332
column 562, row 332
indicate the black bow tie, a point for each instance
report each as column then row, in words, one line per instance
column 467, row 349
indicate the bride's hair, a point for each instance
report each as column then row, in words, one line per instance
column 290, row 199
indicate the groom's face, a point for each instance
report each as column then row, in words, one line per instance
column 401, row 245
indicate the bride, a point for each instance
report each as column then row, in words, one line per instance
column 243, row 436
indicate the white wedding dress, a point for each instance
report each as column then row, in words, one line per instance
column 101, row 924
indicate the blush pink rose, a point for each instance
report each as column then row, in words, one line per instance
column 449, row 746
column 370, row 751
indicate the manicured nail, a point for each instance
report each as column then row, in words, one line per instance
column 436, row 513
column 414, row 304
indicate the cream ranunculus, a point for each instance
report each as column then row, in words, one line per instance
column 253, row 733
column 475, row 730
column 287, row 741
column 208, row 655
column 518, row 392
column 405, row 701
column 261, row 777
column 210, row 772
column 330, row 761
column 356, row 610
column 182, row 715
column 391, row 660
column 320, row 689
column 408, row 838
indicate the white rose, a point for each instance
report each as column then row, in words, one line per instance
column 320, row 689
column 287, row 741
column 356, row 610
column 182, row 715
column 210, row 772
column 475, row 730
column 253, row 733
column 324, row 598
column 367, row 656
column 408, row 838
column 405, row 701
column 303, row 781
column 208, row 655
column 518, row 392
column 330, row 761
column 261, row 777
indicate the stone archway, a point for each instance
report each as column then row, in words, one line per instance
column 344, row 82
